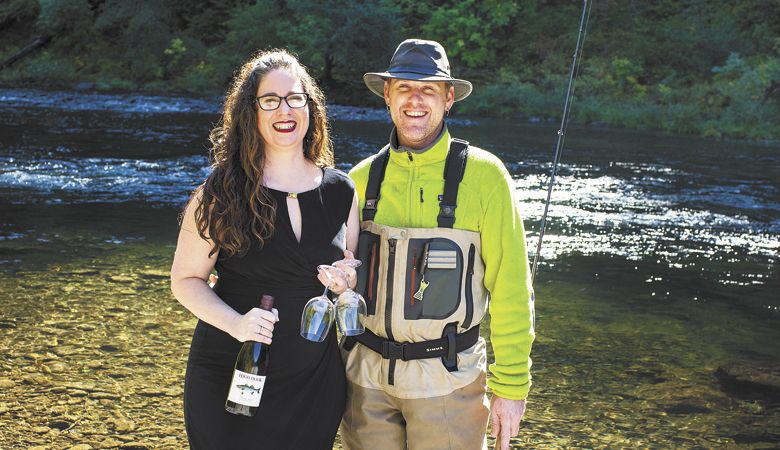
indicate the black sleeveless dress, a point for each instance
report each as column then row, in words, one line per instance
column 304, row 395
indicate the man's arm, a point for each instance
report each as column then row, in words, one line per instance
column 507, row 277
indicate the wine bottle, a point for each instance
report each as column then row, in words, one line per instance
column 249, row 373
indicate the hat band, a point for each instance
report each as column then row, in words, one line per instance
column 419, row 71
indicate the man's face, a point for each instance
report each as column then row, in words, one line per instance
column 417, row 109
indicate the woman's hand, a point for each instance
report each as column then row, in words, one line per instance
column 256, row 325
column 349, row 270
column 339, row 276
column 332, row 278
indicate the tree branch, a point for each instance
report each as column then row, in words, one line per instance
column 37, row 43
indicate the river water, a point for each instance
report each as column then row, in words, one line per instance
column 656, row 319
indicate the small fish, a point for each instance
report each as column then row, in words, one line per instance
column 252, row 389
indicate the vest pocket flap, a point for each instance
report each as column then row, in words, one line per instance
column 442, row 259
column 432, row 294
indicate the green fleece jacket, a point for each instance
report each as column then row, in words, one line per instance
column 486, row 204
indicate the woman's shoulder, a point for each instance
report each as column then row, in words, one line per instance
column 336, row 177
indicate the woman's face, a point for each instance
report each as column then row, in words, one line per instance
column 284, row 127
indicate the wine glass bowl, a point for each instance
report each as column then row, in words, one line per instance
column 317, row 318
column 350, row 307
column 319, row 313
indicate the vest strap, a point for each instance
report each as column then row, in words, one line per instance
column 453, row 174
column 375, row 176
column 454, row 168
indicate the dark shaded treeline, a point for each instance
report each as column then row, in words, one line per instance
column 690, row 66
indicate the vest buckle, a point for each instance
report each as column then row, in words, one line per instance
column 394, row 350
column 446, row 210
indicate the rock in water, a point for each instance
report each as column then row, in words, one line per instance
column 754, row 382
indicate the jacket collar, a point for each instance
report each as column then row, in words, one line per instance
column 409, row 157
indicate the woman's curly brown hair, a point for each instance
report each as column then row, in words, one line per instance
column 235, row 208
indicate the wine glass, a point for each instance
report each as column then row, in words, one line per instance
column 317, row 317
column 350, row 306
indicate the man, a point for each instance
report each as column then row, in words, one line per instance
column 432, row 253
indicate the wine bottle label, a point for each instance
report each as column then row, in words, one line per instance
column 246, row 389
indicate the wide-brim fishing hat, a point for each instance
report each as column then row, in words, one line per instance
column 418, row 60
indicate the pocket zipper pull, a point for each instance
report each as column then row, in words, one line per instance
column 423, row 286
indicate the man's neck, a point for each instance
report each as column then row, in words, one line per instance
column 395, row 141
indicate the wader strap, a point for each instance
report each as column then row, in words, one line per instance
column 407, row 351
column 453, row 174
column 375, row 176
column 450, row 360
column 454, row 168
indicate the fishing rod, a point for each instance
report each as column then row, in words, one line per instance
column 562, row 130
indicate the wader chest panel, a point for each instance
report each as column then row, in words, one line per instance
column 421, row 285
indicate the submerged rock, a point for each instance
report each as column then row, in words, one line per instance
column 751, row 382
column 687, row 408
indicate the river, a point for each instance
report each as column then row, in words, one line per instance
column 656, row 322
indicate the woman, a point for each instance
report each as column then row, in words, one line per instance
column 271, row 210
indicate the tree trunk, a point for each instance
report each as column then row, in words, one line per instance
column 773, row 88
column 37, row 43
column 326, row 80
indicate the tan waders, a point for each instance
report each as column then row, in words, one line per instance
column 416, row 378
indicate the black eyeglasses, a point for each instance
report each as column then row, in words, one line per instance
column 271, row 102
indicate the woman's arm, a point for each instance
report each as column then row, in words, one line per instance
column 353, row 226
column 190, row 272
column 336, row 279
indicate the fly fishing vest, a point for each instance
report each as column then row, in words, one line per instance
column 425, row 296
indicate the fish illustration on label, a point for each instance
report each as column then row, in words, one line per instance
column 246, row 388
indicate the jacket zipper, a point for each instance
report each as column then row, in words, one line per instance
column 389, row 305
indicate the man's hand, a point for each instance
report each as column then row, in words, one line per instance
column 506, row 416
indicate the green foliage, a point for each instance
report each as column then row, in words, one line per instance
column 48, row 66
column 691, row 66
column 70, row 21
column 13, row 11
column 741, row 96
column 343, row 39
column 252, row 27
column 470, row 30
column 333, row 39
column 140, row 32
column 520, row 99
column 618, row 77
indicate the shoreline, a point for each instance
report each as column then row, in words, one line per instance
column 157, row 103
column 153, row 102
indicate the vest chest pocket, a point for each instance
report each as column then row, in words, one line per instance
column 368, row 272
column 434, row 270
